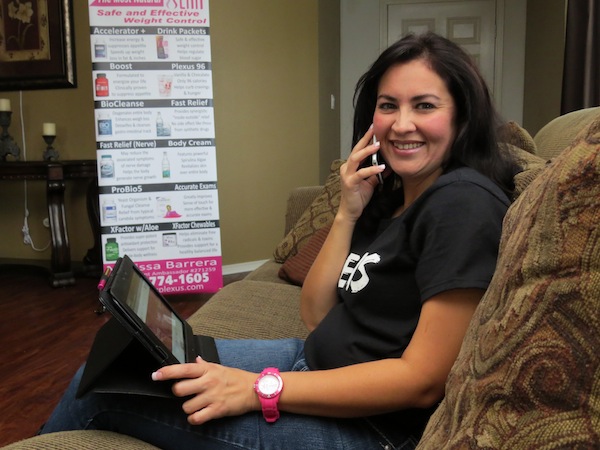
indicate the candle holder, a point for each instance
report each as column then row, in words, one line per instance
column 50, row 154
column 8, row 146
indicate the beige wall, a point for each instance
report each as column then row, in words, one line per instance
column 266, row 87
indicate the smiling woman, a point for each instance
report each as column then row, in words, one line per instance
column 393, row 300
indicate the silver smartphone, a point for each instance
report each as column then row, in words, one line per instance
column 375, row 161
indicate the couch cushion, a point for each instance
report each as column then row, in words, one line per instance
column 528, row 372
column 320, row 213
column 81, row 440
column 299, row 199
column 251, row 310
column 531, row 165
column 268, row 271
column 557, row 134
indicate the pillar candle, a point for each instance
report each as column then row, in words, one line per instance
column 49, row 129
column 4, row 104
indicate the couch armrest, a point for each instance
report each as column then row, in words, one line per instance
column 250, row 309
column 299, row 199
column 558, row 134
column 80, row 440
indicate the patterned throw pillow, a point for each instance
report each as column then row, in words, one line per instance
column 512, row 133
column 531, row 164
column 528, row 374
column 296, row 267
column 319, row 214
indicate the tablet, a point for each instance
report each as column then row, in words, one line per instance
column 142, row 310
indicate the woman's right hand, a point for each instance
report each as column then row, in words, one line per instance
column 358, row 183
column 319, row 291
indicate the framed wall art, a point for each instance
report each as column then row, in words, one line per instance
column 37, row 48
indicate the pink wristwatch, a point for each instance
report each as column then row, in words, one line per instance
column 268, row 386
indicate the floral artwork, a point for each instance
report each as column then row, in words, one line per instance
column 37, row 45
column 24, row 30
column 21, row 13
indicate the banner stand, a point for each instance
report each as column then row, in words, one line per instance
column 155, row 134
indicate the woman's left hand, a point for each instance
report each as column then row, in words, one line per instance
column 215, row 390
column 357, row 182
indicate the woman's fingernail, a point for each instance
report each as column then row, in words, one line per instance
column 156, row 376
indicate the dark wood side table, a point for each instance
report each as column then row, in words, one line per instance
column 56, row 173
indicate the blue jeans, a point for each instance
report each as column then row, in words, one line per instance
column 162, row 422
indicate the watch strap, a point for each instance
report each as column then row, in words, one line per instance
column 269, row 402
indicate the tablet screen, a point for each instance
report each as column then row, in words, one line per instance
column 156, row 315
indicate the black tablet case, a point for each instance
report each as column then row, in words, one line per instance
column 119, row 364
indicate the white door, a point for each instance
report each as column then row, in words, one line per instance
column 471, row 24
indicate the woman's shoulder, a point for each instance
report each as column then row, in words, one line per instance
column 466, row 180
column 460, row 192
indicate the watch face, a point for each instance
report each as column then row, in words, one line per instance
column 269, row 385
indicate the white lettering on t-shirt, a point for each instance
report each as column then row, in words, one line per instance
column 354, row 263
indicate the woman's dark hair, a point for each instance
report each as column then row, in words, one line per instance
column 476, row 119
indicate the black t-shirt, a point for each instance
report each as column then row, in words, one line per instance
column 447, row 239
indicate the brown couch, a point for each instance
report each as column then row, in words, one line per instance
column 528, row 374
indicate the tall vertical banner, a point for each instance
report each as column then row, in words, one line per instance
column 155, row 134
